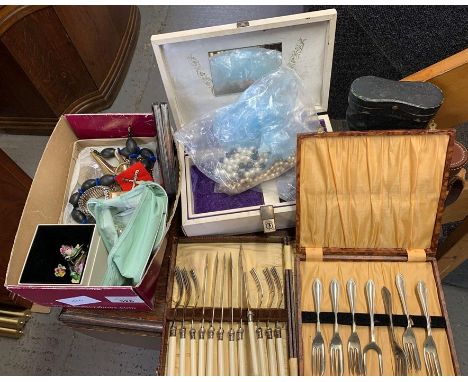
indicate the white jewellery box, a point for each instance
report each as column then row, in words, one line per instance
column 306, row 43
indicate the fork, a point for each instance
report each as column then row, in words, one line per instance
column 372, row 345
column 336, row 345
column 354, row 345
column 401, row 364
column 409, row 339
column 430, row 351
column 318, row 345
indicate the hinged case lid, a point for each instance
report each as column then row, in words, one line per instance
column 305, row 40
column 377, row 192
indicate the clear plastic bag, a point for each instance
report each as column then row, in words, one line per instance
column 286, row 186
column 235, row 70
column 254, row 139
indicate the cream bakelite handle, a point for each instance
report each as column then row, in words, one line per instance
column 232, row 358
column 241, row 356
column 241, row 352
column 201, row 356
column 182, row 356
column 280, row 352
column 220, row 358
column 261, row 354
column 193, row 356
column 171, row 355
column 253, row 348
column 209, row 356
column 271, row 357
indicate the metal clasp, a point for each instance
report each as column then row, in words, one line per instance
column 267, row 214
column 242, row 24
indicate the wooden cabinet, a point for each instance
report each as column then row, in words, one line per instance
column 61, row 59
column 14, row 188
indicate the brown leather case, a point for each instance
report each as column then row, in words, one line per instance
column 456, row 181
column 459, row 158
column 224, row 244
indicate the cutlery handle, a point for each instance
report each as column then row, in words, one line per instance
column 272, row 367
column 400, row 283
column 232, row 352
column 171, row 352
column 220, row 357
column 193, row 355
column 351, row 289
column 370, row 293
column 280, row 352
column 387, row 299
column 241, row 356
column 335, row 293
column 209, row 355
column 317, row 292
column 261, row 352
column 182, row 352
column 422, row 292
column 253, row 348
column 201, row 352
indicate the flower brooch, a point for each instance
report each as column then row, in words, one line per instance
column 76, row 259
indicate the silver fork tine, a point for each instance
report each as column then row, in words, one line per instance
column 336, row 345
column 431, row 357
column 372, row 345
column 318, row 344
column 354, row 344
column 409, row 340
column 437, row 366
column 429, row 364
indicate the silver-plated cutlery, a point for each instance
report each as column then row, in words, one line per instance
column 406, row 355
column 354, row 344
column 372, row 345
column 336, row 345
column 409, row 339
column 401, row 363
column 431, row 356
column 318, row 344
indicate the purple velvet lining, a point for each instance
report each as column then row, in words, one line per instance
column 205, row 199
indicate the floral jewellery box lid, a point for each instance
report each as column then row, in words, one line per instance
column 191, row 62
column 376, row 192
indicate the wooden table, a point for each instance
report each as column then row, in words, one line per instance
column 130, row 327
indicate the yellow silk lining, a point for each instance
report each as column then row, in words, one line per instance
column 415, row 255
column 314, row 254
column 378, row 191
column 256, row 255
column 383, row 274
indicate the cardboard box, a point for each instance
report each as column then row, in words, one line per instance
column 45, row 205
column 307, row 42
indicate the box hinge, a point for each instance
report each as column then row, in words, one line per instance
column 416, row 255
column 267, row 214
column 242, row 24
column 314, row 254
